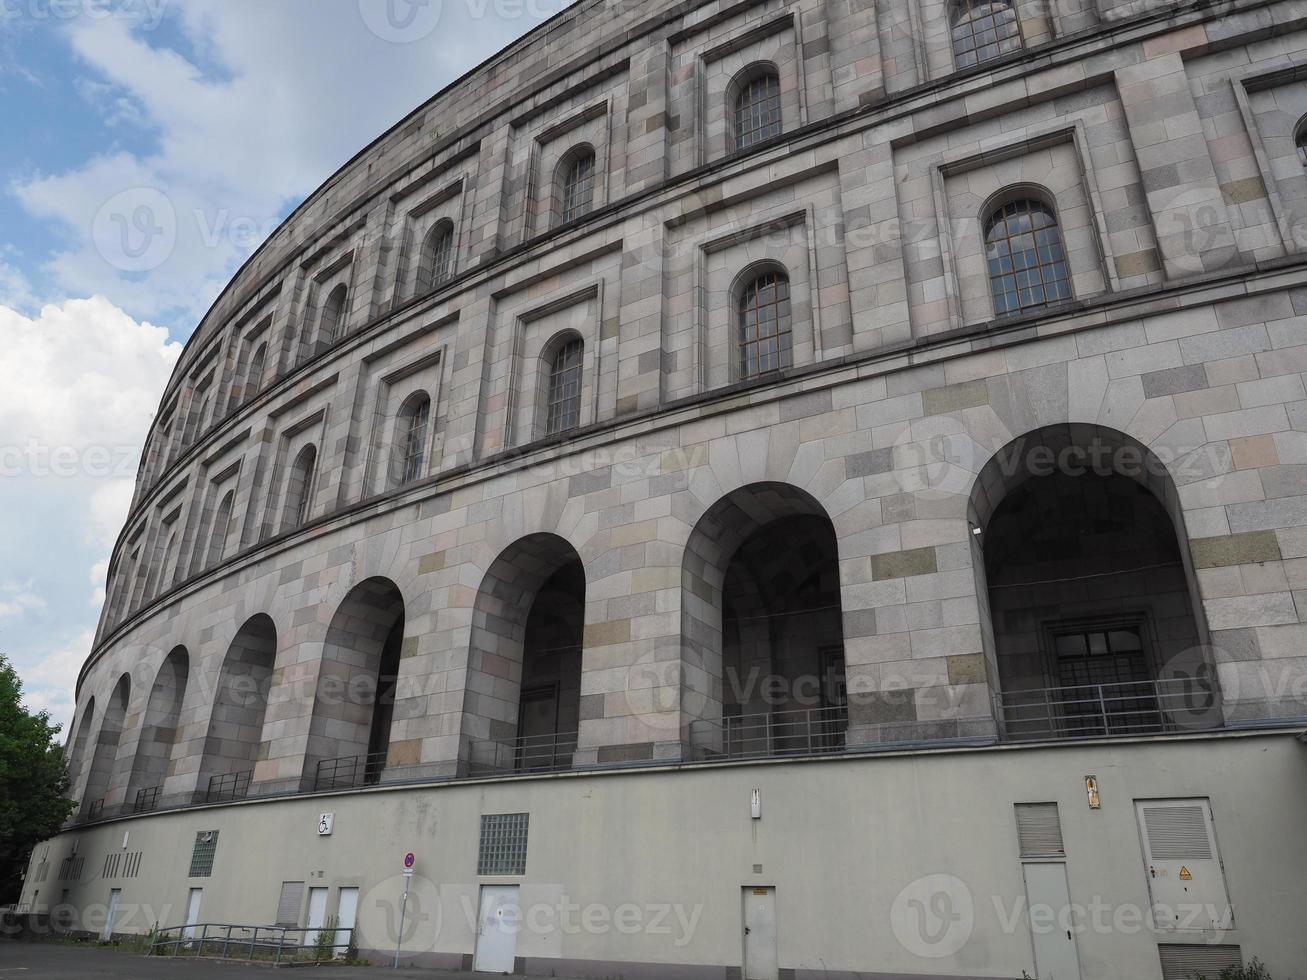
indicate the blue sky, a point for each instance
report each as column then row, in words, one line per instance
column 223, row 115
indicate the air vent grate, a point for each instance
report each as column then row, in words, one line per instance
column 1197, row 962
column 1039, row 830
column 1177, row 833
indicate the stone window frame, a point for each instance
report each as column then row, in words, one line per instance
column 955, row 7
column 551, row 148
column 228, row 462
column 776, row 43
column 320, row 273
column 404, row 455
column 413, row 224
column 932, row 33
column 1246, row 84
column 525, row 413
column 954, row 165
column 718, row 317
column 310, row 428
column 403, row 368
column 753, row 72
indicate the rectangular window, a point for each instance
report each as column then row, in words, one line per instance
column 206, row 845
column 1105, row 682
column 1039, row 830
column 503, row 844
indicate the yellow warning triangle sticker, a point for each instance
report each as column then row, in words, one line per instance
column 1185, row 875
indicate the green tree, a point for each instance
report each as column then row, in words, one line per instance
column 33, row 782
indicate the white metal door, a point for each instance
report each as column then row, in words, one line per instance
column 1051, row 924
column 496, row 949
column 192, row 911
column 114, row 895
column 317, row 914
column 1185, row 875
column 760, row 962
column 347, row 910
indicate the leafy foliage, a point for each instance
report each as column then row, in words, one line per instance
column 33, row 782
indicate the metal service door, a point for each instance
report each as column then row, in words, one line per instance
column 760, row 962
column 497, row 929
column 347, row 910
column 193, row 911
column 317, row 914
column 114, row 895
column 1055, row 944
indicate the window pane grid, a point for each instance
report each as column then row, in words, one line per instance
column 983, row 30
column 758, row 111
column 765, row 326
column 437, row 265
column 578, row 187
column 564, row 403
column 1026, row 259
column 503, row 844
column 415, row 442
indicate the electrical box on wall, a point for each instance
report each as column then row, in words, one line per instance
column 1186, row 879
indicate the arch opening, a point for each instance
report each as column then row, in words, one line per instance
column 159, row 728
column 1089, row 604
column 81, row 737
column 105, row 756
column 353, row 709
column 522, row 702
column 234, row 740
column 762, row 627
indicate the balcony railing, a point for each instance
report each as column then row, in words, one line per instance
column 350, row 771
column 231, row 786
column 1100, row 710
column 95, row 810
column 529, row 753
column 146, row 799
column 273, row 944
column 771, row 734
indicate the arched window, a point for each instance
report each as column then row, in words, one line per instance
column 437, row 261
column 757, row 107
column 1027, row 263
column 1300, row 139
column 766, row 327
column 198, row 423
column 295, row 511
column 158, row 578
column 221, row 525
column 983, row 30
column 564, row 395
column 333, row 315
column 576, row 184
column 254, row 377
column 411, row 437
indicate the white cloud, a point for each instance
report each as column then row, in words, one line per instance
column 16, row 599
column 273, row 98
column 48, row 684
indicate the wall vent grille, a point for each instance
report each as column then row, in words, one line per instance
column 1039, row 830
column 1196, row 962
column 1177, row 833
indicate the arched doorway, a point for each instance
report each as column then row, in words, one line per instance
column 521, row 707
column 106, row 749
column 762, row 627
column 355, row 701
column 240, row 707
column 158, row 733
column 1089, row 606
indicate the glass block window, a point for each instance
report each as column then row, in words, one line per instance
column 1026, row 260
column 758, row 110
column 577, row 192
column 766, row 337
column 503, row 844
column 983, row 30
column 206, row 845
column 565, row 388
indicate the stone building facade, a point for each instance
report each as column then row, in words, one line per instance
column 886, row 416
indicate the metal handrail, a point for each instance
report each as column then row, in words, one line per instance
column 228, row 786
column 231, row 939
column 95, row 809
column 771, row 734
column 1151, row 707
column 146, row 799
column 526, row 753
column 350, row 771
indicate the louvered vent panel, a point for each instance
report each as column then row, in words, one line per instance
column 292, row 899
column 1177, row 833
column 1197, row 962
column 1039, row 830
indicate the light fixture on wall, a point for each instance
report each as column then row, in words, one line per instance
column 755, row 805
column 1091, row 790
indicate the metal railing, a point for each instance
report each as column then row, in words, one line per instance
column 231, row 786
column 95, row 810
column 350, row 771
column 1099, row 710
column 528, row 753
column 771, row 734
column 272, row 943
column 146, row 799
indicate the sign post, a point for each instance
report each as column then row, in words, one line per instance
column 410, row 859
